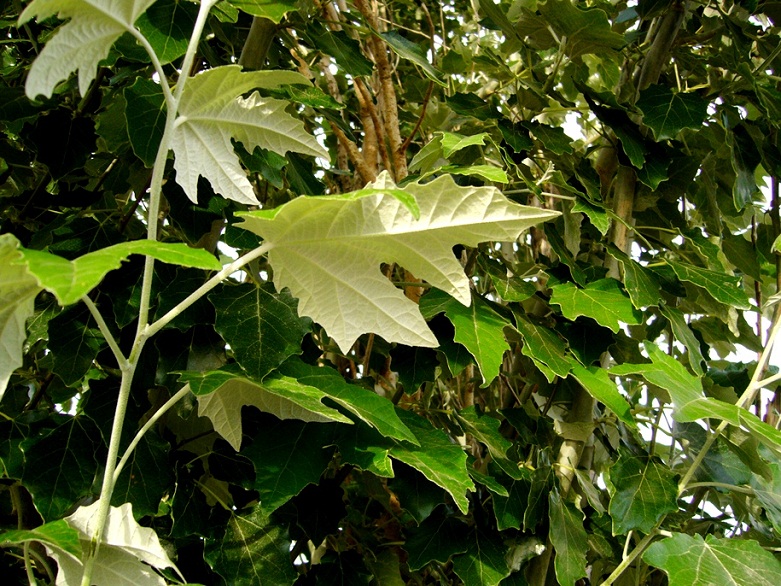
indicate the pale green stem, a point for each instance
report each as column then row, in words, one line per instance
column 112, row 342
column 28, row 567
column 227, row 270
column 769, row 380
column 630, row 558
column 155, row 191
column 183, row 392
column 731, row 487
column 164, row 85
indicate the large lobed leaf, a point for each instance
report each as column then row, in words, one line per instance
column 328, row 251
column 81, row 43
column 212, row 111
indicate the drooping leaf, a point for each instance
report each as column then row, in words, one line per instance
column 598, row 384
column 372, row 409
column 274, row 10
column 74, row 341
column 690, row 560
column 723, row 287
column 145, row 115
column 667, row 113
column 328, row 250
column 768, row 491
column 437, row 538
column 602, row 300
column 642, row 490
column 478, row 327
column 510, row 509
column 66, row 464
column 212, row 111
column 18, row 289
column 222, row 394
column 542, row 345
column 287, row 455
column 745, row 158
column 345, row 50
column 57, row 534
column 70, row 280
column 643, row 288
column 569, row 539
column 484, row 560
column 167, row 25
column 260, row 326
column 81, row 43
column 586, row 31
column 437, row 458
column 485, row 429
column 452, row 142
column 146, row 478
column 406, row 49
column 684, row 334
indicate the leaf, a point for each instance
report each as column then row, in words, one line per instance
column 487, row 172
column 126, row 551
column 587, row 31
column 167, row 25
column 328, row 251
column 345, row 50
column 602, row 301
column 642, row 491
column 543, row 345
column 81, row 43
column 684, row 334
column 435, row 539
column 723, row 287
column 640, row 283
column 274, row 10
column 406, row 49
column 66, row 465
column 70, row 280
column 147, row 477
column 222, row 394
column 598, row 384
column 484, row 561
column 74, row 341
column 287, row 455
column 372, row 409
column 212, row 111
column 437, row 458
column 569, row 539
column 485, row 429
column 145, row 115
column 452, row 143
column 56, row 533
column 667, row 113
column 509, row 510
column 261, row 327
column 768, row 492
column 18, row 289
column 478, row 327
column 745, row 159
column 690, row 560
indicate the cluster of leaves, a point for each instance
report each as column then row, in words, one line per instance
column 395, row 389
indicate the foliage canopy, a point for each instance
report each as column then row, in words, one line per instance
column 317, row 292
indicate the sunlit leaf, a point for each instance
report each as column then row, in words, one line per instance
column 569, row 539
column 602, row 301
column 667, row 113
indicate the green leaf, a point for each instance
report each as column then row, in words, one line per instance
column 435, row 539
column 745, row 159
column 147, row 477
column 406, row 49
column 478, row 327
column 485, row 429
column 145, row 115
column 690, row 560
column 251, row 551
column 569, row 539
column 360, row 446
column 484, row 561
column 684, row 334
column 510, row 509
column 543, row 345
column 212, row 111
column 552, row 137
column 437, row 458
column 602, row 301
column 586, row 31
column 598, row 384
column 667, row 113
column 487, row 172
column 66, row 465
column 74, row 341
column 81, row 43
column 328, row 250
column 18, row 289
column 274, row 10
column 287, row 455
column 260, row 326
column 642, row 490
column 345, row 50
column 372, row 409
column 723, row 287
column 222, row 394
column 167, row 25
column 452, row 143
column 56, row 533
column 768, row 492
column 596, row 214
column 70, row 280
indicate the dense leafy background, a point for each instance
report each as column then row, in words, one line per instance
column 567, row 418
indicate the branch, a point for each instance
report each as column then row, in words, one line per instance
column 103, row 327
column 259, row 39
column 365, row 98
column 355, row 155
